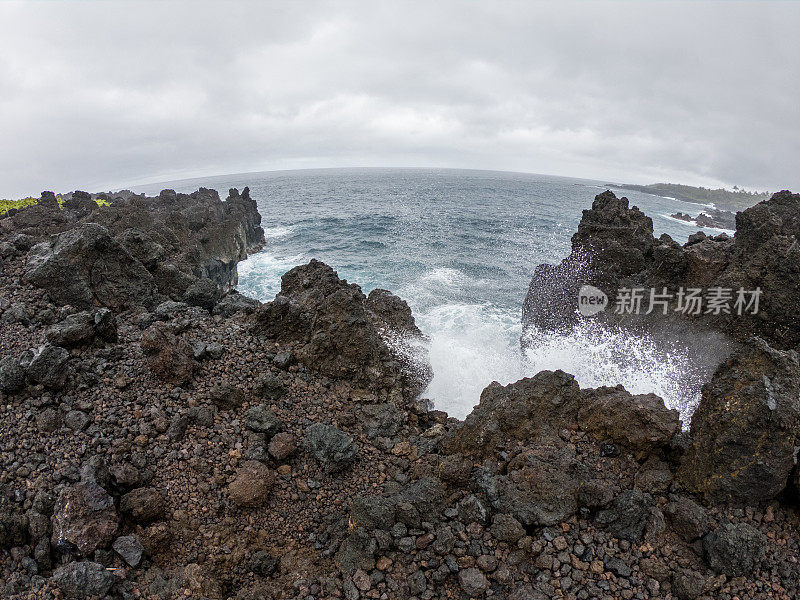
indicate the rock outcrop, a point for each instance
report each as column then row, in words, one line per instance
column 614, row 248
column 540, row 407
column 744, row 433
column 336, row 330
column 139, row 251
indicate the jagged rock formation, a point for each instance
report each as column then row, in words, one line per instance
column 139, row 250
column 540, row 407
column 336, row 330
column 744, row 433
column 277, row 451
column 614, row 248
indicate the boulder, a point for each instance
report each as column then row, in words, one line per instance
column 744, row 431
column 541, row 488
column 86, row 267
column 83, row 579
column 203, row 293
column 640, row 424
column 335, row 333
column 83, row 327
column 169, row 356
column 627, row 516
column 688, row 519
column 735, row 549
column 334, row 449
column 84, row 519
column 50, row 367
column 531, row 408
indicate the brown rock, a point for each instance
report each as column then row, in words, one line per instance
column 252, row 484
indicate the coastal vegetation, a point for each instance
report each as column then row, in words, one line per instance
column 6, row 205
column 734, row 200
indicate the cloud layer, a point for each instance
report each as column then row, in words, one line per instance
column 97, row 95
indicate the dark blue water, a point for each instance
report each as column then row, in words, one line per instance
column 460, row 246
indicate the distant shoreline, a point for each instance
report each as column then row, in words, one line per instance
column 729, row 200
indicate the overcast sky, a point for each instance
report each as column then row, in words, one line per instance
column 99, row 95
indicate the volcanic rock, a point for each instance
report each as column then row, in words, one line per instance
column 169, row 356
column 252, row 484
column 526, row 410
column 84, row 518
column 735, row 550
column 744, row 431
column 330, row 321
column 143, row 505
column 50, row 367
column 83, row 579
column 639, row 423
column 334, row 449
column 82, row 328
column 85, row 267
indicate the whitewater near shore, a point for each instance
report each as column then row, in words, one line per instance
column 162, row 436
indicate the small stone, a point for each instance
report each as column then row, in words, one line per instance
column 262, row 420
column 227, row 396
column 130, row 549
column 76, row 420
column 507, row 529
column 143, row 505
column 252, row 485
column 362, row 580
column 48, row 420
column 334, row 449
column 473, row 582
column 283, row 360
column 282, row 446
column 83, row 579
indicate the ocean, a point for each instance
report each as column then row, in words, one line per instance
column 460, row 246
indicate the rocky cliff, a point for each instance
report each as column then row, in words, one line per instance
column 614, row 249
column 161, row 438
column 137, row 250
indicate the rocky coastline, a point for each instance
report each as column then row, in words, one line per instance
column 162, row 436
column 715, row 219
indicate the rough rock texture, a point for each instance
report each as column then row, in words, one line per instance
column 140, row 250
column 640, row 423
column 337, row 331
column 169, row 356
column 745, row 430
column 540, row 407
column 735, row 550
column 83, row 579
column 86, row 267
column 252, row 484
column 84, row 518
column 614, row 247
column 83, row 328
column 333, row 448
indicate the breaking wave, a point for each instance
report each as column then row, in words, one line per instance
column 472, row 345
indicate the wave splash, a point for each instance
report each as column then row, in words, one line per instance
column 472, row 345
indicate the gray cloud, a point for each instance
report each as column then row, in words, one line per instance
column 103, row 94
